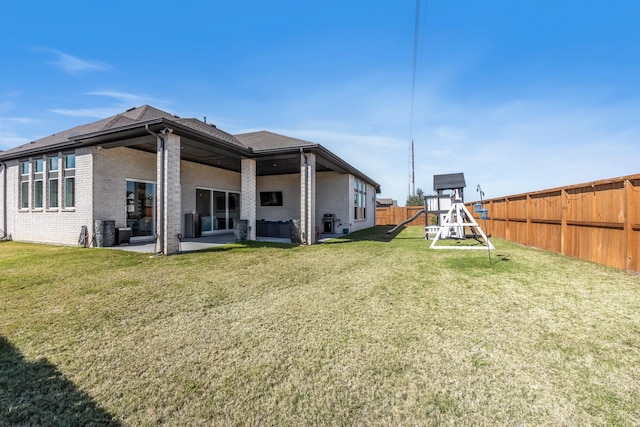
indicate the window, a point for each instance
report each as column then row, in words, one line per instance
column 69, row 186
column 53, row 193
column 70, row 161
column 141, row 207
column 359, row 199
column 37, row 194
column 24, row 195
column 24, row 168
column 69, row 192
column 54, row 183
column 38, row 166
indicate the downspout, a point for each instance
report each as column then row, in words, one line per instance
column 4, row 199
column 304, row 220
column 160, row 226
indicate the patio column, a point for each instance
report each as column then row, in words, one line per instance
column 248, row 196
column 308, row 197
column 169, row 194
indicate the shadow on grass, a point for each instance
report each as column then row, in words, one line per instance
column 36, row 393
column 374, row 234
column 247, row 244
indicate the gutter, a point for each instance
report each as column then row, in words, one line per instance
column 337, row 160
column 161, row 220
column 323, row 152
column 94, row 137
column 98, row 138
column 306, row 231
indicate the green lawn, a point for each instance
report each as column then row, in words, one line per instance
column 366, row 330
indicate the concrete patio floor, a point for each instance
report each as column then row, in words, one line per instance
column 205, row 242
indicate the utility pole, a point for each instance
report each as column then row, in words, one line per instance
column 413, row 171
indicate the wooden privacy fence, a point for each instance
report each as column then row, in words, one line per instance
column 596, row 221
column 396, row 214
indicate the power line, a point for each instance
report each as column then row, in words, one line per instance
column 416, row 39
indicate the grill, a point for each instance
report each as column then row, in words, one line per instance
column 328, row 221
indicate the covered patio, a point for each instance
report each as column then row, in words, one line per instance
column 255, row 156
column 206, row 242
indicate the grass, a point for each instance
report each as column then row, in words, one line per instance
column 365, row 330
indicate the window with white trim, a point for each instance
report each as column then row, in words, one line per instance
column 24, row 195
column 38, row 177
column 38, row 166
column 37, row 194
column 69, row 189
column 25, row 175
column 53, row 187
column 70, row 161
column 70, row 192
column 53, row 163
column 52, row 196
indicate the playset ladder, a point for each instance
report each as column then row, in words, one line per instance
column 458, row 217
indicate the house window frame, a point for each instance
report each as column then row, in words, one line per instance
column 69, row 175
column 67, row 157
column 38, row 197
column 24, row 196
column 25, row 164
column 38, row 166
column 55, row 199
column 37, row 184
column 69, row 206
column 359, row 200
column 53, row 174
column 50, row 163
column 24, row 185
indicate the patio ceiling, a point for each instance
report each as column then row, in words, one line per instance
column 205, row 153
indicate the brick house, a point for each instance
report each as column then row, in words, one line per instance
column 151, row 172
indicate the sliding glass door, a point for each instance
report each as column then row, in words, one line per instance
column 217, row 210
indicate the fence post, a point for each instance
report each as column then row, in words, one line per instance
column 492, row 223
column 628, row 209
column 529, row 220
column 563, row 221
column 507, row 228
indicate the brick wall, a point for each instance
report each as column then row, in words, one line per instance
column 101, row 176
column 332, row 197
column 290, row 187
column 173, row 197
column 370, row 220
column 59, row 225
column 112, row 168
column 248, row 196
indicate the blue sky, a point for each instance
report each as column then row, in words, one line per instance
column 518, row 95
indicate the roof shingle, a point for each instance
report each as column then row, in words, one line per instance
column 264, row 140
column 129, row 117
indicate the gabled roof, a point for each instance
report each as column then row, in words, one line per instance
column 264, row 140
column 449, row 181
column 210, row 130
column 202, row 142
column 128, row 117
